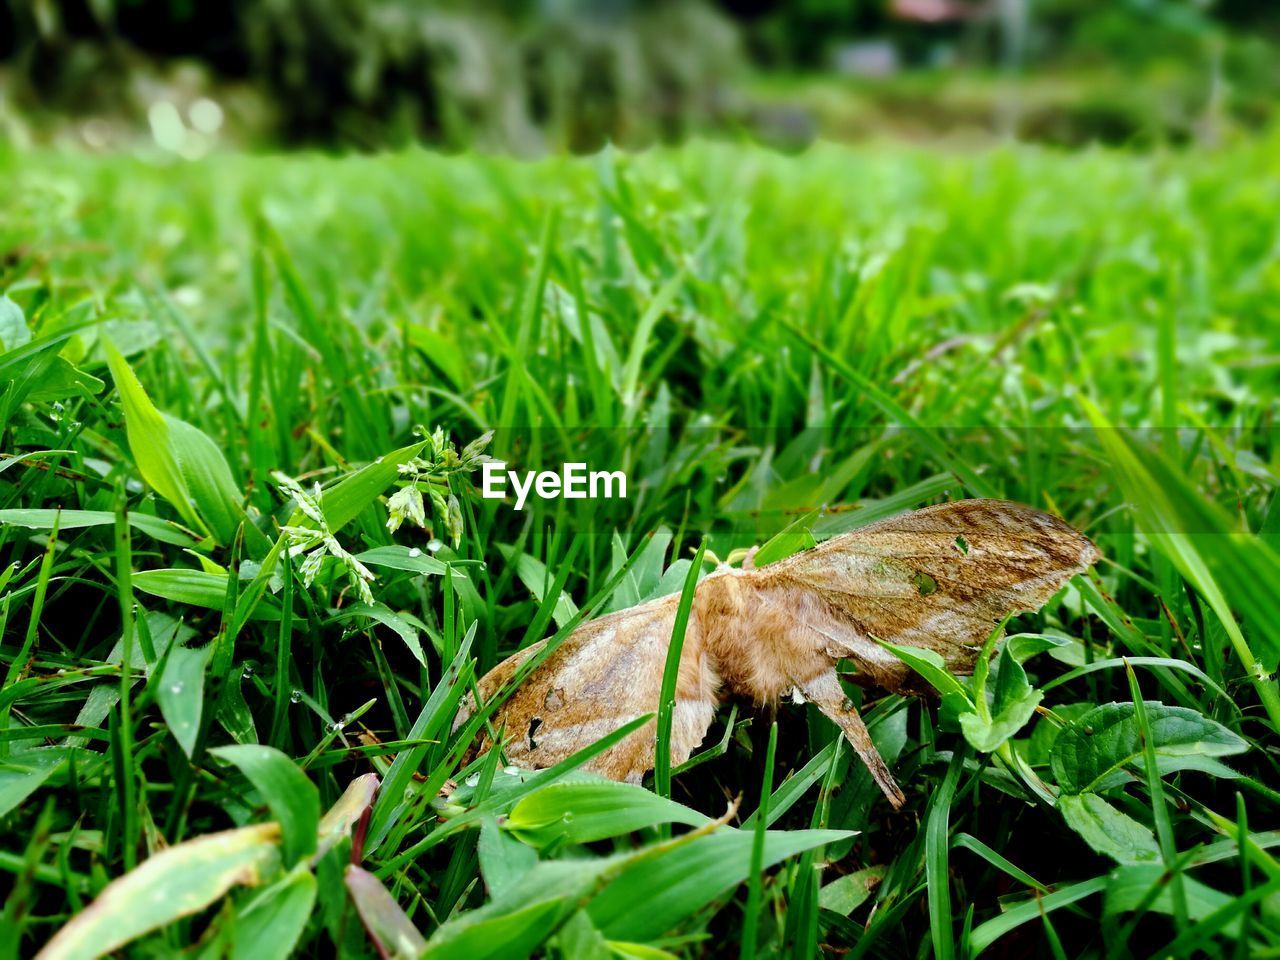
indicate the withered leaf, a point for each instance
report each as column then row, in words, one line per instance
column 939, row 578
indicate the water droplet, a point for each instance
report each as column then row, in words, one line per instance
column 176, row 688
column 433, row 544
column 415, row 552
column 473, row 780
column 295, row 697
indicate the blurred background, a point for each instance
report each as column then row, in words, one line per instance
column 531, row 76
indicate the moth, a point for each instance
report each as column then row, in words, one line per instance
column 940, row 578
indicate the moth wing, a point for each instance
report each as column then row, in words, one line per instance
column 603, row 675
column 941, row 577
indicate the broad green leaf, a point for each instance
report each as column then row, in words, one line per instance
column 163, row 530
column 344, row 501
column 578, row 938
column 585, row 812
column 673, row 887
column 988, row 735
column 1108, row 830
column 22, row 774
column 150, row 442
column 196, row 587
column 638, row 951
column 1129, row 887
column 271, row 924
column 646, row 571
column 533, row 574
column 1037, row 747
column 60, row 380
column 793, row 538
column 504, row 936
column 929, row 665
column 405, row 558
column 845, row 894
column 1014, row 700
column 181, row 693
column 382, row 917
column 381, row 613
column 233, row 712
column 503, row 858
column 207, row 477
column 14, row 331
column 1093, row 754
column 528, row 910
column 174, row 883
column 1036, row 908
column 292, row 797
column 627, row 593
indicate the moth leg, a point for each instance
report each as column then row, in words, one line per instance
column 825, row 692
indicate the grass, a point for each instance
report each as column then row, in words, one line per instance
column 201, row 677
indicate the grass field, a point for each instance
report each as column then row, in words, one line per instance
column 765, row 345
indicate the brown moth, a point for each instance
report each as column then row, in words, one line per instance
column 939, row 578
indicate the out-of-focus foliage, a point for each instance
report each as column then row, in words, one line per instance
column 532, row 75
column 517, row 75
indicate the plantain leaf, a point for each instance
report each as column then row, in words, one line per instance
column 1108, row 830
column 525, row 913
column 1096, row 752
column 1014, row 700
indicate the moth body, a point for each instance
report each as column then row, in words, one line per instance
column 939, row 578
